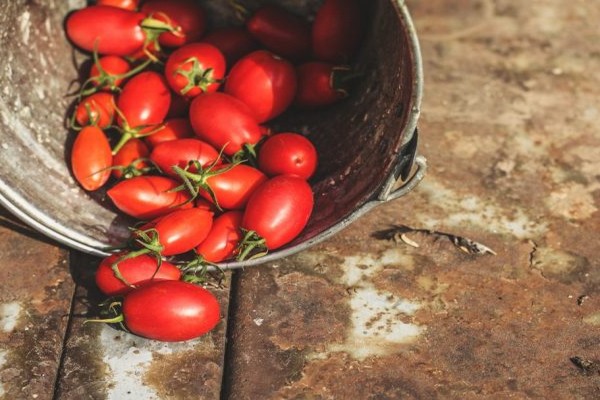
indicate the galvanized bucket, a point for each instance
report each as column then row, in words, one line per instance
column 367, row 144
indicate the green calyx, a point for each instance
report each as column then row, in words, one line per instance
column 251, row 246
column 197, row 76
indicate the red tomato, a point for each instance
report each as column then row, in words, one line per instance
column 91, row 158
column 146, row 197
column 337, row 30
column 127, row 162
column 224, row 121
column 144, row 100
column 96, row 109
column 175, row 128
column 195, row 68
column 170, row 311
column 107, row 30
column 281, row 32
column 108, row 73
column 180, row 152
column 187, row 15
column 264, row 82
column 318, row 84
column 223, row 238
column 233, row 42
column 233, row 187
column 137, row 271
column 288, row 153
column 125, row 4
column 181, row 230
column 279, row 210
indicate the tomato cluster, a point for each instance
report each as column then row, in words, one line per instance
column 173, row 122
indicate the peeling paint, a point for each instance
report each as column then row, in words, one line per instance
column 9, row 316
column 3, row 354
column 573, row 201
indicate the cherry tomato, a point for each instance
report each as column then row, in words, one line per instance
column 281, row 32
column 146, row 197
column 91, row 158
column 195, row 68
column 288, row 153
column 187, row 15
column 223, row 238
column 279, row 209
column 233, row 187
column 107, row 73
column 337, row 30
column 224, row 121
column 172, row 129
column 180, row 152
column 170, row 311
column 137, row 271
column 318, row 84
column 264, row 82
column 128, row 161
column 233, row 42
column 125, row 4
column 107, row 30
column 181, row 230
column 144, row 100
column 96, row 109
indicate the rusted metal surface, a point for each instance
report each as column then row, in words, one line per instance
column 509, row 125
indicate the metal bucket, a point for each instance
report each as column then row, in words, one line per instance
column 367, row 144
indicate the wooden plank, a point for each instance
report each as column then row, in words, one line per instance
column 102, row 362
column 35, row 299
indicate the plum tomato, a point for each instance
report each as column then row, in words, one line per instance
column 108, row 72
column 170, row 311
column 91, row 158
column 337, row 31
column 232, row 185
column 181, row 152
column 144, row 100
column 264, row 82
column 234, row 42
column 131, row 161
column 288, row 153
column 195, row 68
column 96, row 109
column 186, row 15
column 172, row 129
column 279, row 209
column 281, row 32
column 224, row 121
column 125, row 4
column 147, row 197
column 136, row 271
column 320, row 84
column 223, row 238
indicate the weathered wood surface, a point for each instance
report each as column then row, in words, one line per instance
column 509, row 126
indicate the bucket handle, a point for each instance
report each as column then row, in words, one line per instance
column 404, row 167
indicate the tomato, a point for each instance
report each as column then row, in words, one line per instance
column 288, row 153
column 337, row 30
column 232, row 185
column 195, row 68
column 91, row 158
column 144, row 103
column 137, row 271
column 320, row 84
column 264, row 82
column 174, row 128
column 107, row 30
column 146, row 197
column 223, row 238
column 125, row 4
column 279, row 209
column 180, row 152
column 187, row 15
column 128, row 161
column 233, row 42
column 96, row 109
column 107, row 73
column 281, row 32
column 180, row 106
column 181, row 230
column 170, row 311
column 224, row 121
